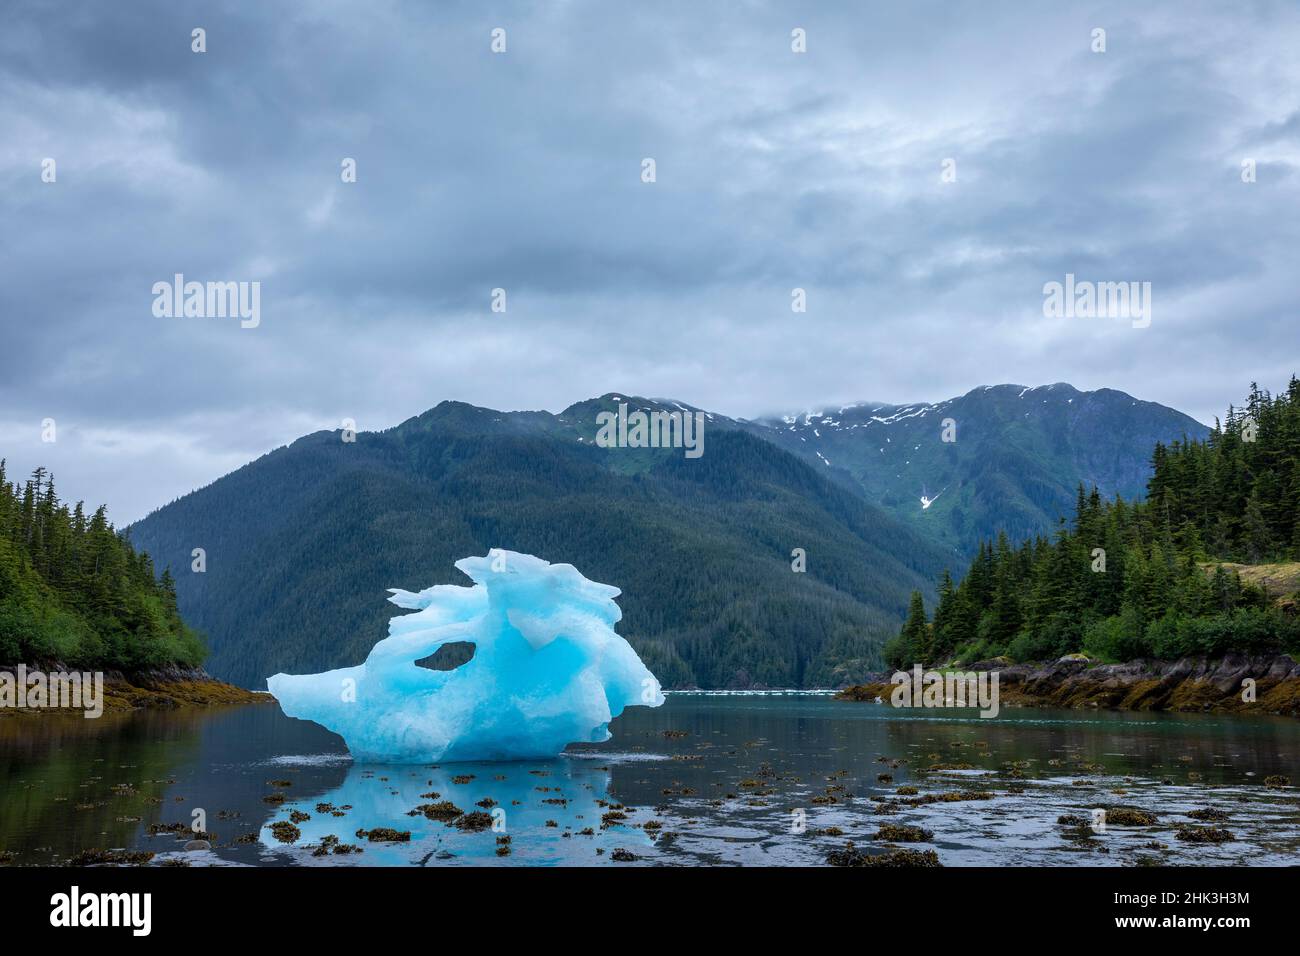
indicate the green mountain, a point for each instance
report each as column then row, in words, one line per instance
column 301, row 544
column 1018, row 455
column 74, row 592
column 1145, row 579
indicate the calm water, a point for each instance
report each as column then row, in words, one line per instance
column 722, row 776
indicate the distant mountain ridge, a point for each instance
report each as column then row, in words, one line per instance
column 303, row 543
column 1020, row 453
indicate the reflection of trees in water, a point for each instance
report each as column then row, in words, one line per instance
column 120, row 767
column 72, row 784
column 1218, row 747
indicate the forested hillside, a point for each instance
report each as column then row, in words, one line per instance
column 1013, row 457
column 302, row 545
column 1146, row 579
column 73, row 591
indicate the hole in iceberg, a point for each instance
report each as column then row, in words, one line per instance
column 449, row 656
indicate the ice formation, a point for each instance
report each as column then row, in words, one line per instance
column 547, row 670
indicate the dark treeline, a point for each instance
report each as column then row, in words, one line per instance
column 1142, row 579
column 73, row 591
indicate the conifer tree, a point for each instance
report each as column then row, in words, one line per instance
column 1131, row 579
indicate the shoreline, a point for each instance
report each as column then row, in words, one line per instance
column 170, row 688
column 1186, row 685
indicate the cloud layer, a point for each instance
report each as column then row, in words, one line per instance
column 522, row 171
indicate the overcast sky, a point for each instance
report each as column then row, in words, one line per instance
column 522, row 170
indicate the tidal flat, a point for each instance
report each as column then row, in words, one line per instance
column 789, row 779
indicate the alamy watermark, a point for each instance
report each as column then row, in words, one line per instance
column 651, row 430
column 1098, row 300
column 36, row 690
column 922, row 688
column 209, row 300
column 74, row 908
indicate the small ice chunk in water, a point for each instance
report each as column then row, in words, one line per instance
column 548, row 670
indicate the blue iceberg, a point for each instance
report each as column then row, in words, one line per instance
column 548, row 670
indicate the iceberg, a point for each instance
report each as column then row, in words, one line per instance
column 547, row 670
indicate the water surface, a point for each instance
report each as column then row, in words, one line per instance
column 720, row 779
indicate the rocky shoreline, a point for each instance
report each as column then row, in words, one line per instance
column 167, row 688
column 1190, row 684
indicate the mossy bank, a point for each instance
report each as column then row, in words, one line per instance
column 168, row 688
column 1190, row 684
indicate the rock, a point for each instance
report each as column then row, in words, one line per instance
column 384, row 835
column 194, row 845
column 96, row 857
column 903, row 833
column 284, row 831
column 850, row 856
column 444, row 810
column 1120, row 816
column 1205, row 834
column 473, row 822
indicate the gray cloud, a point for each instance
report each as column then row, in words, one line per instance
column 775, row 170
